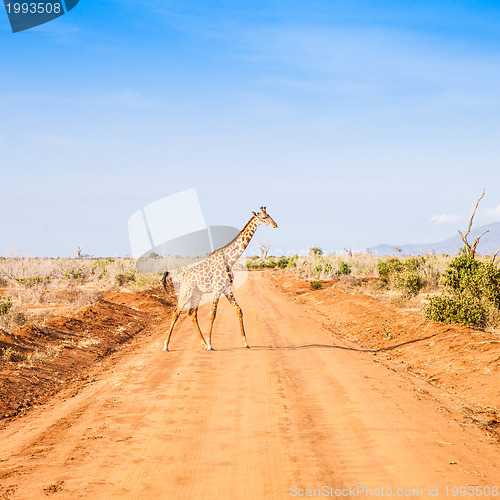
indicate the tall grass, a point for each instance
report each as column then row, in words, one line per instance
column 31, row 286
column 37, row 270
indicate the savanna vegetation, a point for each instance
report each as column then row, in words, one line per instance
column 460, row 289
column 31, row 289
column 456, row 289
column 453, row 289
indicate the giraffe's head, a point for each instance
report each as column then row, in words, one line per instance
column 265, row 218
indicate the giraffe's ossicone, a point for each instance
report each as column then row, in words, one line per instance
column 215, row 275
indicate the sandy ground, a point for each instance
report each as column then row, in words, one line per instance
column 463, row 361
column 67, row 347
column 302, row 409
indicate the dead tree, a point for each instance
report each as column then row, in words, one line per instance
column 80, row 255
column 264, row 247
column 471, row 249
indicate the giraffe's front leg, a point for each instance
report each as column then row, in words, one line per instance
column 213, row 312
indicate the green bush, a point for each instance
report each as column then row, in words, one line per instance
column 253, row 262
column 471, row 293
column 457, row 309
column 317, row 251
column 383, row 271
column 269, row 262
column 283, row 262
column 344, row 268
column 317, row 285
column 148, row 279
column 75, row 273
column 403, row 274
column 139, row 279
column 33, row 280
column 99, row 268
column 388, row 268
column 409, row 282
column 466, row 275
column 124, row 278
column 5, row 305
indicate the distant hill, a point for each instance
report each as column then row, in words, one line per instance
column 488, row 245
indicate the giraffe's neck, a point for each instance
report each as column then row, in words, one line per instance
column 233, row 251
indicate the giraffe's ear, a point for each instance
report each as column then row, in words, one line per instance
column 254, row 214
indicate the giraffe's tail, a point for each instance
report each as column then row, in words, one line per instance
column 164, row 280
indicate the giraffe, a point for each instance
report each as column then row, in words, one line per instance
column 214, row 275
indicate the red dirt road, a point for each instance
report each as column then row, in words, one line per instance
column 301, row 409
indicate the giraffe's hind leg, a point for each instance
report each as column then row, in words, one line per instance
column 183, row 299
column 193, row 312
column 175, row 317
column 239, row 312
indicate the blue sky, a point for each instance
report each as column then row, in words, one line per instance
column 355, row 123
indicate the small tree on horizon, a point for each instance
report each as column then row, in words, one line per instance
column 264, row 247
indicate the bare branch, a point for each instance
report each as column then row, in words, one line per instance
column 495, row 256
column 474, row 213
column 472, row 249
column 476, row 241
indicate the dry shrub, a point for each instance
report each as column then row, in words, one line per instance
column 87, row 297
column 12, row 355
column 14, row 319
column 40, row 355
column 317, row 266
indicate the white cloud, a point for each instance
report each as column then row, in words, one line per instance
column 491, row 215
column 444, row 219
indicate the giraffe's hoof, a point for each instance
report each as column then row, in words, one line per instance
column 247, row 346
column 165, row 349
column 209, row 348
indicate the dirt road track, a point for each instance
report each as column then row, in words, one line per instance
column 301, row 408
